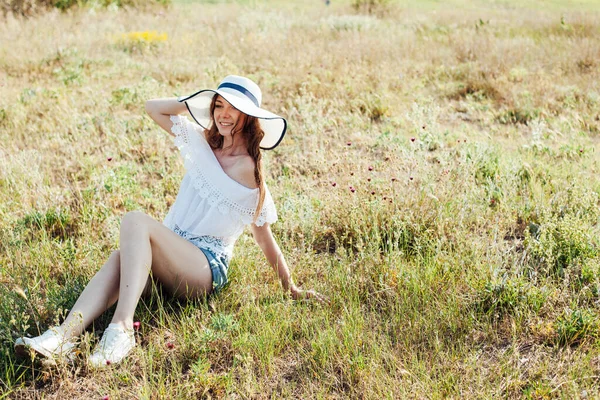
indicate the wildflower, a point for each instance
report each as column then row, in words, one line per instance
column 368, row 179
column 108, row 362
column 412, row 139
column 170, row 345
column 352, row 189
column 145, row 36
column 349, row 143
column 109, row 159
column 370, row 168
column 136, row 325
column 105, row 397
column 333, row 184
column 411, row 178
column 373, row 192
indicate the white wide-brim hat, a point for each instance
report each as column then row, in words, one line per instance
column 245, row 96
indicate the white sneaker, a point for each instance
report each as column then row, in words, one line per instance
column 51, row 344
column 115, row 344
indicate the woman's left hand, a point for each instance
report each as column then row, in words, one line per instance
column 300, row 294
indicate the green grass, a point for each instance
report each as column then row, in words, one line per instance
column 465, row 263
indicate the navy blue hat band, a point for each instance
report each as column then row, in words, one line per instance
column 240, row 89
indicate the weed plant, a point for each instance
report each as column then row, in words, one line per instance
column 439, row 182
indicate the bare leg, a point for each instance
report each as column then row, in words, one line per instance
column 147, row 245
column 136, row 256
column 179, row 265
column 100, row 293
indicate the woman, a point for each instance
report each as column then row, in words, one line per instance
column 222, row 191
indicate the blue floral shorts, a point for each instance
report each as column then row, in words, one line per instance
column 218, row 264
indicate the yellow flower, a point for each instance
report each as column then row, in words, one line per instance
column 145, row 36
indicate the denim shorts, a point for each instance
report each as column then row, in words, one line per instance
column 218, row 264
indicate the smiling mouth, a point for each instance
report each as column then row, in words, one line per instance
column 226, row 123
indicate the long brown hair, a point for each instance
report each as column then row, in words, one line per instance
column 252, row 133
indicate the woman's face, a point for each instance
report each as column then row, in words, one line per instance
column 227, row 117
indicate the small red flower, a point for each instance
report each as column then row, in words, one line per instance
column 349, row 143
column 412, row 139
column 373, row 193
column 394, row 179
column 170, row 345
column 351, row 173
column 333, row 184
column 108, row 362
column 105, row 397
column 368, row 179
column 352, row 189
column 109, row 159
column 411, row 178
column 136, row 325
column 370, row 168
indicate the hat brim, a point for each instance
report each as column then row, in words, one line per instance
column 274, row 126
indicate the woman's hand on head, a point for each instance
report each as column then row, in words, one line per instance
column 301, row 294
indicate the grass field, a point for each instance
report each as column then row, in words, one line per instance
column 439, row 182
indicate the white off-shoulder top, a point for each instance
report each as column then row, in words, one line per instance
column 210, row 204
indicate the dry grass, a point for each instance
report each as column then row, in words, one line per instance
column 464, row 264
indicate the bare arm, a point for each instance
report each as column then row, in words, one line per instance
column 160, row 110
column 265, row 240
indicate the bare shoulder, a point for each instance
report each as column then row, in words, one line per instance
column 244, row 171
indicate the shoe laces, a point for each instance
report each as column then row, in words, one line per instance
column 51, row 334
column 110, row 336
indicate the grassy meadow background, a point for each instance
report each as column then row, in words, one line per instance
column 439, row 182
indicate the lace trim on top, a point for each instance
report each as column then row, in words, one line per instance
column 205, row 187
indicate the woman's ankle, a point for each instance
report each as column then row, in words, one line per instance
column 125, row 323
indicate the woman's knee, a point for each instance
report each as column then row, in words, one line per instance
column 133, row 219
column 114, row 262
column 115, row 256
